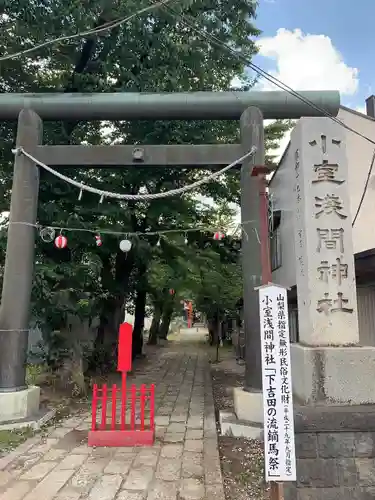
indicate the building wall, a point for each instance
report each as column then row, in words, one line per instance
column 366, row 314
column 360, row 153
column 281, row 192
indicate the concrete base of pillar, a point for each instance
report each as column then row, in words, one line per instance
column 247, row 419
column 230, row 425
column 20, row 405
column 248, row 406
column 34, row 422
column 333, row 375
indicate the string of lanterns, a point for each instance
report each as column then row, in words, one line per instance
column 62, row 242
column 48, row 234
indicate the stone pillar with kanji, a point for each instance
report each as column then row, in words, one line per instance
column 326, row 358
column 326, row 288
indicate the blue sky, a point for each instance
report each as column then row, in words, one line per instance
column 343, row 58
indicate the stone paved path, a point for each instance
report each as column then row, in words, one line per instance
column 183, row 464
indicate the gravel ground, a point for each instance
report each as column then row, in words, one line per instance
column 241, row 459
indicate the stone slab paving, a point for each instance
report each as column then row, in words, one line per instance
column 183, row 463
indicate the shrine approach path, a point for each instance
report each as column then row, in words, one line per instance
column 182, row 464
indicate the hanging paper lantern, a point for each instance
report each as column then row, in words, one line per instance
column 125, row 245
column 218, row 235
column 98, row 240
column 61, row 241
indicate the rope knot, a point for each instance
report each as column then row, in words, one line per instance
column 17, row 151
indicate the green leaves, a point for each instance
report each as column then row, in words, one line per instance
column 153, row 52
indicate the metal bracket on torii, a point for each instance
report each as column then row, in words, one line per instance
column 250, row 108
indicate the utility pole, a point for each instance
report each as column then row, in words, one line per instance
column 19, row 261
column 252, row 134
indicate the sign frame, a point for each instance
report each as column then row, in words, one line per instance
column 279, row 442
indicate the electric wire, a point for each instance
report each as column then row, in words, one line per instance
column 216, row 41
column 187, row 22
column 95, row 31
column 364, row 189
column 278, row 83
column 267, row 76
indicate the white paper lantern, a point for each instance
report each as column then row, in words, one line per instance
column 125, row 245
column 47, row 234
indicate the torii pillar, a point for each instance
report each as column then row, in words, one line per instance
column 17, row 400
column 248, row 401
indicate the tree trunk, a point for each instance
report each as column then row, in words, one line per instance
column 155, row 325
column 166, row 321
column 213, row 330
column 139, row 318
column 103, row 355
column 219, row 337
column 112, row 312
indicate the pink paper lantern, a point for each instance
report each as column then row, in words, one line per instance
column 61, row 241
column 218, row 235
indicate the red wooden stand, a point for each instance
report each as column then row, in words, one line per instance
column 121, row 439
column 119, row 428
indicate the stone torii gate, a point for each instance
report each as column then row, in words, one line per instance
column 17, row 401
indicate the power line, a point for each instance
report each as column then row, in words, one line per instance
column 183, row 19
column 278, row 83
column 216, row 41
column 95, row 31
column 364, row 189
column 267, row 76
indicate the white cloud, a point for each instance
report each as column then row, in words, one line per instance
column 304, row 62
column 307, row 62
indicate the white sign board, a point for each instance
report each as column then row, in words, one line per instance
column 279, row 448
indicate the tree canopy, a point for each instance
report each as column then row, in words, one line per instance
column 152, row 52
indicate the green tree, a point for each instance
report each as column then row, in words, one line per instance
column 215, row 283
column 205, row 271
column 150, row 53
